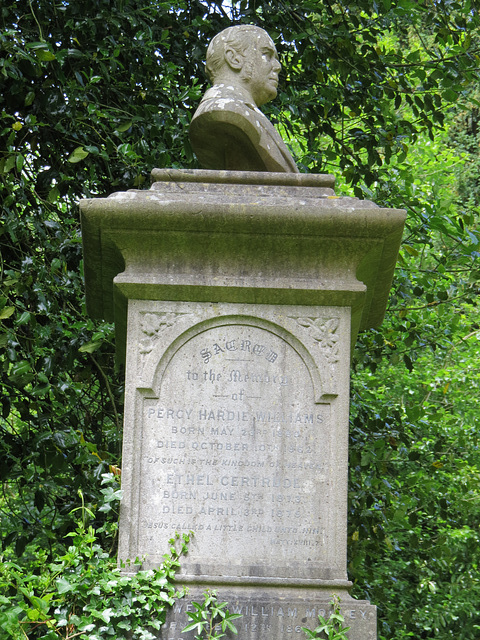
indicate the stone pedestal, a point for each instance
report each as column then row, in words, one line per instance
column 237, row 298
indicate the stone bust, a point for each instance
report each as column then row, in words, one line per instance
column 228, row 130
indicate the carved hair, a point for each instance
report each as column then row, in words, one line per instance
column 239, row 38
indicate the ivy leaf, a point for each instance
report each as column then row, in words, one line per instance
column 44, row 55
column 124, row 127
column 79, row 154
column 6, row 312
column 90, row 347
column 64, row 586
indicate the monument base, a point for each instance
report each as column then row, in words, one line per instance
column 275, row 613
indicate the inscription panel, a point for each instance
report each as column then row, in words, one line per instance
column 275, row 616
column 236, row 450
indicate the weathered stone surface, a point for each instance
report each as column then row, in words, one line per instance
column 282, row 239
column 276, row 613
column 243, row 178
column 244, row 294
column 236, row 431
column 228, row 130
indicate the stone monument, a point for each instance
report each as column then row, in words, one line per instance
column 237, row 298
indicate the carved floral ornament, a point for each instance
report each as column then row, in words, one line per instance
column 324, row 332
column 152, row 325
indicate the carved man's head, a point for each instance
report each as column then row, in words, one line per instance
column 245, row 55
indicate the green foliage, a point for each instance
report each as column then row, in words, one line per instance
column 365, row 79
column 385, row 95
column 211, row 618
column 83, row 594
column 331, row 628
column 77, row 119
column 414, row 446
column 414, row 471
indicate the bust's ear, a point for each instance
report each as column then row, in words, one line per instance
column 234, row 59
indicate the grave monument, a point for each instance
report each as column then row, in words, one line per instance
column 237, row 292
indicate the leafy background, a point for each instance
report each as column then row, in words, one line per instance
column 385, row 96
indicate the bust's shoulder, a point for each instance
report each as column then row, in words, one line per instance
column 224, row 99
column 228, row 131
